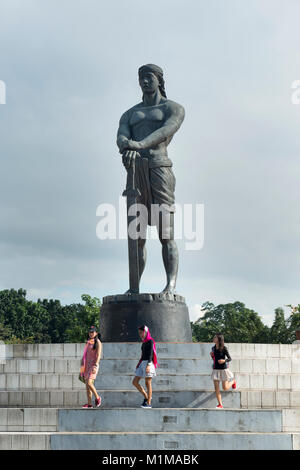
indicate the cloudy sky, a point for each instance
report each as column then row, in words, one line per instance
column 70, row 69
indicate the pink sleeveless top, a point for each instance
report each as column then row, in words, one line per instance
column 89, row 359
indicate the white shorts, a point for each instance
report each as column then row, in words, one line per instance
column 140, row 371
column 222, row 375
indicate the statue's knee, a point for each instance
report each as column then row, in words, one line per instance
column 169, row 242
column 141, row 243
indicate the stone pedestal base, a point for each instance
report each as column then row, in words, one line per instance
column 166, row 315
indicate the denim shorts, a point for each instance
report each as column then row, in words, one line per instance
column 140, row 371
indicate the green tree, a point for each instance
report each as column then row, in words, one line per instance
column 279, row 331
column 45, row 321
column 293, row 322
column 13, row 311
column 237, row 323
column 26, row 320
column 5, row 332
column 85, row 316
column 55, row 320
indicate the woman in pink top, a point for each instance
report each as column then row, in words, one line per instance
column 90, row 366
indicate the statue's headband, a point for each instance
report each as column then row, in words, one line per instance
column 151, row 68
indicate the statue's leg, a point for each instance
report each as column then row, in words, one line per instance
column 142, row 253
column 142, row 256
column 169, row 250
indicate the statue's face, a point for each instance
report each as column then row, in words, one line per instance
column 149, row 82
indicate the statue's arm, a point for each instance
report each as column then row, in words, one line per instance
column 124, row 133
column 170, row 126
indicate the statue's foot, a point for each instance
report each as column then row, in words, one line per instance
column 130, row 292
column 169, row 289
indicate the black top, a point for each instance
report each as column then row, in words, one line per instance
column 220, row 355
column 147, row 351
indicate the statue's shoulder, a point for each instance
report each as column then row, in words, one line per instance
column 129, row 111
column 175, row 108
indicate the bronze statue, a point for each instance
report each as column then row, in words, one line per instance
column 144, row 133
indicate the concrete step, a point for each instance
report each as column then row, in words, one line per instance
column 131, row 398
column 25, row 441
column 171, row 441
column 164, row 350
column 179, row 365
column 40, row 366
column 204, row 382
column 40, row 351
column 158, row 420
column 178, row 420
column 175, row 441
column 180, row 381
column 202, row 350
column 113, row 398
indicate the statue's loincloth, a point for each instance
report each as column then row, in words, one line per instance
column 156, row 181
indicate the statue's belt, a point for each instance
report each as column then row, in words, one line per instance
column 155, row 162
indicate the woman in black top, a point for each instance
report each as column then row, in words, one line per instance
column 146, row 365
column 221, row 357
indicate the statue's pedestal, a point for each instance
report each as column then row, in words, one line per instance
column 166, row 316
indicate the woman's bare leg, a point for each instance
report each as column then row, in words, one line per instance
column 135, row 382
column 89, row 394
column 218, row 393
column 227, row 385
column 148, row 381
column 92, row 389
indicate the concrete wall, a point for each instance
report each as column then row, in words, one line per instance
column 132, row 350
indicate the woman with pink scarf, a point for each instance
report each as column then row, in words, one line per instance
column 146, row 365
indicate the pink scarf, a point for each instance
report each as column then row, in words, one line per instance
column 147, row 337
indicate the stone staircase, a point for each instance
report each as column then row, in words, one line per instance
column 41, row 399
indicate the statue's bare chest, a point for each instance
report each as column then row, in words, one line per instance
column 153, row 116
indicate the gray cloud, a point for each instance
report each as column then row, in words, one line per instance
column 71, row 71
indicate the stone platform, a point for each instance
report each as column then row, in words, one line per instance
column 41, row 399
column 166, row 315
column 167, row 429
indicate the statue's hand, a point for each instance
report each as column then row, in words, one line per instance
column 134, row 145
column 123, row 145
column 127, row 158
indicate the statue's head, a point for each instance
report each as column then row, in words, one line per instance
column 151, row 79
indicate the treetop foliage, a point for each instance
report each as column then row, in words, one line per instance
column 47, row 321
column 240, row 324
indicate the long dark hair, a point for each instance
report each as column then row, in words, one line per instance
column 98, row 336
column 220, row 338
